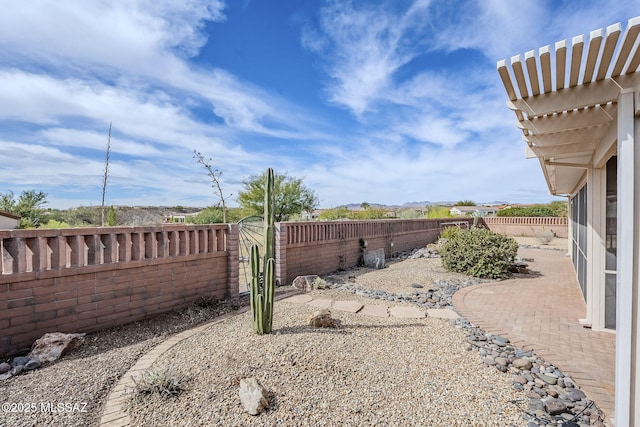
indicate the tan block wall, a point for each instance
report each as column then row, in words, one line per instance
column 321, row 248
column 90, row 297
column 105, row 296
column 527, row 227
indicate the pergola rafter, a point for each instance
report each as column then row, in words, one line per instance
column 576, row 103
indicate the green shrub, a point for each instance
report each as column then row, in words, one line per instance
column 479, row 252
column 52, row 223
column 449, row 232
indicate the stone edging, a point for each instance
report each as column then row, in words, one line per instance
column 113, row 415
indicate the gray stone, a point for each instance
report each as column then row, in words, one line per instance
column 501, row 361
column 575, row 394
column 417, row 286
column 17, row 370
column 547, row 378
column 519, row 379
column 52, row 346
column 5, row 376
column 32, row 364
column 489, row 361
column 536, row 405
column 554, row 406
column 253, row 396
column 20, row 360
column 531, row 394
column 4, row 367
column 498, row 339
column 522, row 364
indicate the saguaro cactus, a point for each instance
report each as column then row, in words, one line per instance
column 263, row 282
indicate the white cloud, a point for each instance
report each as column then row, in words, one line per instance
column 364, row 47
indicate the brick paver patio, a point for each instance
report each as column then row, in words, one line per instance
column 541, row 313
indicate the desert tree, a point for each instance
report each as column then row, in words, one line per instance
column 214, row 174
column 105, row 176
column 292, row 196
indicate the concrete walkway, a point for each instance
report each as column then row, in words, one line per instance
column 541, row 313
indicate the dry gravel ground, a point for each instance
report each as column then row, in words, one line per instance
column 368, row 371
column 86, row 375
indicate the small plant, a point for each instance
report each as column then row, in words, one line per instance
column 449, row 232
column 545, row 237
column 320, row 283
column 479, row 252
column 161, row 381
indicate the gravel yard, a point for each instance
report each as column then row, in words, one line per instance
column 368, row 371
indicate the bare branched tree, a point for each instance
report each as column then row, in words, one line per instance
column 105, row 177
column 215, row 175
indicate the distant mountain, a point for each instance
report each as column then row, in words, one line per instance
column 420, row 204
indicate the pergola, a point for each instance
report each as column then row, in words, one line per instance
column 576, row 110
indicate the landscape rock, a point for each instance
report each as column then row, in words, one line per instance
column 52, row 346
column 374, row 258
column 522, row 364
column 305, row 283
column 32, row 364
column 4, row 367
column 553, row 396
column 5, row 376
column 20, row 360
column 322, row 319
column 554, row 406
column 253, row 396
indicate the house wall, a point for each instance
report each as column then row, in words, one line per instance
column 82, row 280
column 8, row 223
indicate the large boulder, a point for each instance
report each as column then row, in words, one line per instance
column 54, row 345
column 253, row 396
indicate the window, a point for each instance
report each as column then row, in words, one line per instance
column 579, row 237
column 611, row 243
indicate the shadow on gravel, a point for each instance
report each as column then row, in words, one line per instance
column 340, row 329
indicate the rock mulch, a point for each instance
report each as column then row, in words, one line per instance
column 367, row 370
column 549, row 396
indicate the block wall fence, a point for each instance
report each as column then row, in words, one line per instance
column 83, row 280
column 527, row 226
column 319, row 247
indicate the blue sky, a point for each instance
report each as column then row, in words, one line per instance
column 367, row 101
